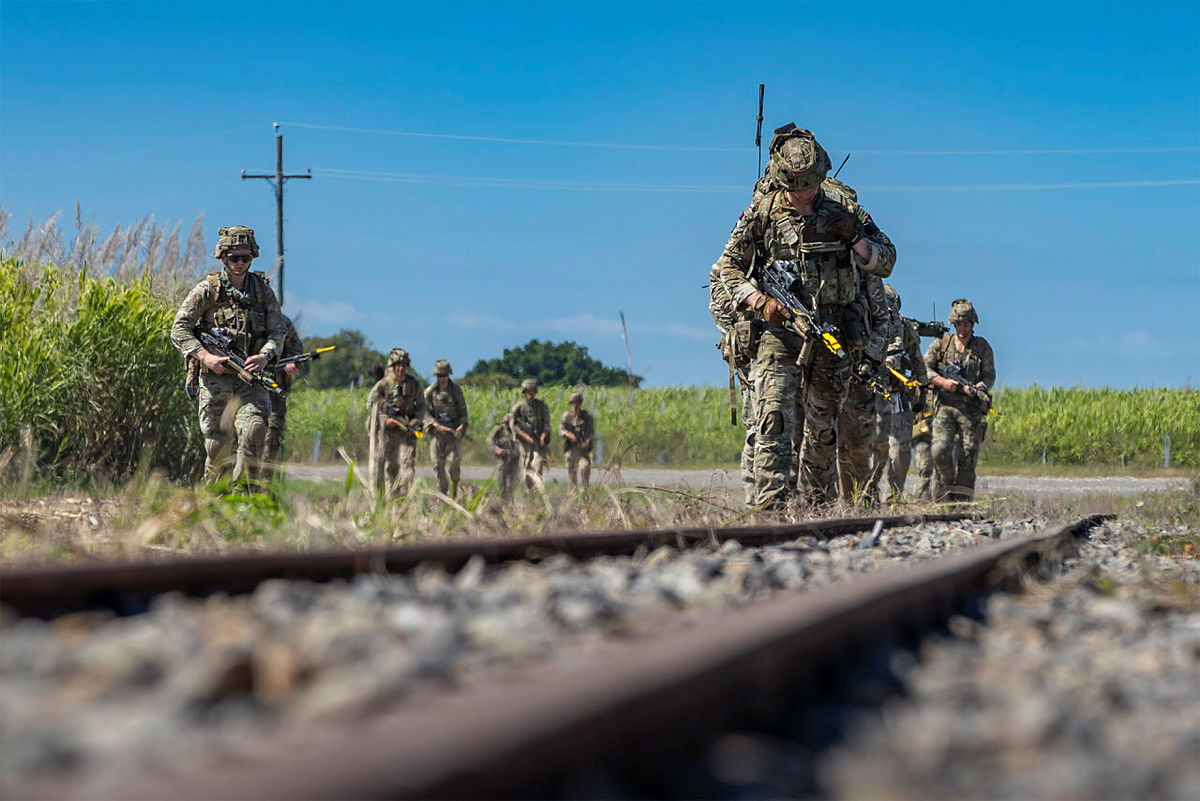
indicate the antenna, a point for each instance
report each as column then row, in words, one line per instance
column 762, row 87
column 839, row 169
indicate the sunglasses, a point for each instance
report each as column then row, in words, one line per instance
column 239, row 258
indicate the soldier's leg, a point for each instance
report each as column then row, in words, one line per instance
column 571, row 459
column 214, row 396
column 250, row 423
column 276, row 426
column 508, row 476
column 453, row 464
column 899, row 453
column 437, row 454
column 923, row 464
column 747, row 460
column 944, row 449
column 775, row 416
column 391, row 456
column 408, row 464
column 826, row 386
column 855, row 431
column 964, row 483
column 585, row 469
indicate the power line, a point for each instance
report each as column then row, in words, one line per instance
column 697, row 148
column 277, row 180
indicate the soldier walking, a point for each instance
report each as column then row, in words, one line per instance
column 277, row 419
column 241, row 303
column 531, row 425
column 963, row 370
column 578, row 430
column 893, row 452
column 395, row 419
column 504, row 448
column 448, row 414
column 822, row 243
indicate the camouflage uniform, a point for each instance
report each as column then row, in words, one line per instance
column 253, row 314
column 769, row 230
column 578, row 454
column 533, row 417
column 858, row 429
column 894, row 447
column 393, row 450
column 922, row 439
column 739, row 340
column 959, row 416
column 277, row 419
column 503, row 438
column 449, row 408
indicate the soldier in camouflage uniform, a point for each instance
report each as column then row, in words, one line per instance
column 893, row 449
column 826, row 242
column 277, row 419
column 448, row 413
column 578, row 430
column 504, row 447
column 395, row 416
column 922, row 442
column 241, row 302
column 961, row 404
column 531, row 425
column 738, row 343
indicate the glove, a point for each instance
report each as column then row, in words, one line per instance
column 768, row 308
column 866, row 369
column 843, row 224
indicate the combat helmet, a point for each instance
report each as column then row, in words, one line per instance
column 576, row 396
column 798, row 161
column 529, row 383
column 962, row 309
column 398, row 356
column 442, row 367
column 235, row 236
column 893, row 296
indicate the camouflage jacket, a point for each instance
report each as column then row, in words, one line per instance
column 406, row 396
column 583, row 427
column 905, row 350
column 975, row 360
column 502, row 437
column 532, row 417
column 447, row 406
column 251, row 313
column 771, row 229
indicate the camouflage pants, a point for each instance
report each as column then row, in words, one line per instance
column 826, row 380
column 395, row 460
column 923, row 457
column 747, row 461
column 444, row 453
column 776, row 382
column 276, row 426
column 579, row 467
column 957, row 437
column 899, row 452
column 532, row 464
column 509, row 468
column 227, row 404
column 857, row 433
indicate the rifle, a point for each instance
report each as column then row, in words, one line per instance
column 873, row 380
column 219, row 342
column 542, row 449
column 445, row 419
column 302, row 358
column 911, row 383
column 777, row 281
column 394, row 412
column 927, row 329
column 953, row 371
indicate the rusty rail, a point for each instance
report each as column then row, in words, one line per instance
column 128, row 587
column 636, row 711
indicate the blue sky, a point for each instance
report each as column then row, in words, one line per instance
column 1042, row 159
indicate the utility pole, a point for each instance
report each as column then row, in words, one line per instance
column 277, row 180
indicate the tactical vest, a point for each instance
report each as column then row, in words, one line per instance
column 243, row 313
column 443, row 404
column 404, row 396
column 820, row 261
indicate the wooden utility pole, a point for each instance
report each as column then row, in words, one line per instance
column 277, row 180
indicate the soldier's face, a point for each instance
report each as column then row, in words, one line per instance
column 530, row 393
column 237, row 262
column 803, row 197
column 399, row 371
column 963, row 328
column 443, row 380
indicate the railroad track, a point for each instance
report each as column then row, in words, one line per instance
column 631, row 720
column 128, row 587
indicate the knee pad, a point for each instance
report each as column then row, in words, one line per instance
column 772, row 424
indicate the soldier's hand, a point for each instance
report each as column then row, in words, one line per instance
column 768, row 308
column 256, row 362
column 570, row 435
column 391, row 422
column 291, row 368
column 213, row 363
column 843, row 224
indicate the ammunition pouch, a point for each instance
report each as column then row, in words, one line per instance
column 745, row 336
column 856, row 330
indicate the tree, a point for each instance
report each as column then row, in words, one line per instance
column 549, row 363
column 354, row 361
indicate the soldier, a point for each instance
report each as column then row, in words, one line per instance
column 504, row 447
column 531, row 425
column 894, row 447
column 825, row 242
column 241, row 302
column 577, row 429
column 739, row 340
column 962, row 369
column 277, row 419
column 395, row 418
column 858, row 423
column 448, row 413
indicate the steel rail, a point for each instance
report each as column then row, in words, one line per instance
column 636, row 711
column 128, row 587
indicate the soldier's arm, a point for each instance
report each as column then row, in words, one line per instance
column 187, row 319
column 276, row 329
column 912, row 344
column 882, row 258
column 460, row 402
column 734, row 265
column 987, row 372
column 881, row 317
column 421, row 412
